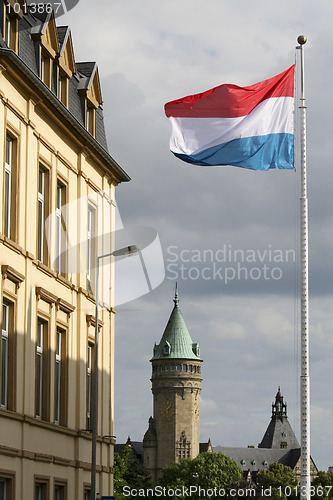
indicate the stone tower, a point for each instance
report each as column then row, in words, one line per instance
column 173, row 431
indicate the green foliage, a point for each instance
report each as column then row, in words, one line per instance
column 129, row 472
column 278, row 476
column 322, row 486
column 136, row 475
column 120, row 460
column 207, row 470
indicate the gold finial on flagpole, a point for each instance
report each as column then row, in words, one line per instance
column 301, row 39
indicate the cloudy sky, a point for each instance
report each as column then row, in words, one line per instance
column 152, row 52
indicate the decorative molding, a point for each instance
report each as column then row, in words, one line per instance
column 91, row 321
column 12, row 245
column 45, row 295
column 10, row 273
column 65, row 306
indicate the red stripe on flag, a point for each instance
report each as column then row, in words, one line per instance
column 230, row 101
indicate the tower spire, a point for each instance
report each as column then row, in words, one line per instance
column 176, row 299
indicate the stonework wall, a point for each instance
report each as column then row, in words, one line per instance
column 176, row 386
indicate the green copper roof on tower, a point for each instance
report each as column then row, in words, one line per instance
column 176, row 342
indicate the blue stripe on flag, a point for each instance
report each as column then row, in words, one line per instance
column 256, row 153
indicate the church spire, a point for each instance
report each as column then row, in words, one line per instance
column 176, row 299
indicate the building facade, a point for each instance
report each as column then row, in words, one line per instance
column 173, row 431
column 57, row 190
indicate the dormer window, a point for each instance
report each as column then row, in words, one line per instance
column 63, row 88
column 12, row 14
column 90, row 90
column 196, row 349
column 65, row 64
column 47, row 47
column 90, row 118
column 166, row 349
column 45, row 69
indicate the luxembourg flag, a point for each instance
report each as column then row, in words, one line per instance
column 250, row 127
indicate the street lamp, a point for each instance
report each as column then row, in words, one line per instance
column 122, row 251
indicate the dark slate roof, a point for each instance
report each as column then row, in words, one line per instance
column 27, row 53
column 255, row 459
column 62, row 35
column 279, row 429
column 203, row 447
column 85, row 68
column 135, row 446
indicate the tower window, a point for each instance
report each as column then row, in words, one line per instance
column 166, row 349
column 183, row 447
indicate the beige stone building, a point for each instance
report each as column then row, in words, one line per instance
column 53, row 154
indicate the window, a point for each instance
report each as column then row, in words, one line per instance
column 45, row 68
column 59, row 492
column 11, row 25
column 42, row 392
column 87, row 494
column 90, row 118
column 6, row 488
column 60, row 393
column 42, row 67
column 41, row 490
column 91, row 246
column 4, row 355
column 10, row 188
column 183, row 447
column 43, row 184
column 89, row 383
column 63, row 88
column 7, row 353
column 8, row 30
column 61, row 228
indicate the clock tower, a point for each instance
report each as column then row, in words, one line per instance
column 173, row 431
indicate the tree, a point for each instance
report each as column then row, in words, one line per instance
column 136, row 475
column 119, row 463
column 280, row 478
column 129, row 472
column 205, row 475
column 322, row 486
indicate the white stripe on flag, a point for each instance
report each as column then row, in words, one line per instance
column 192, row 135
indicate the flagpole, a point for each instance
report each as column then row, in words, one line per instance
column 305, row 375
